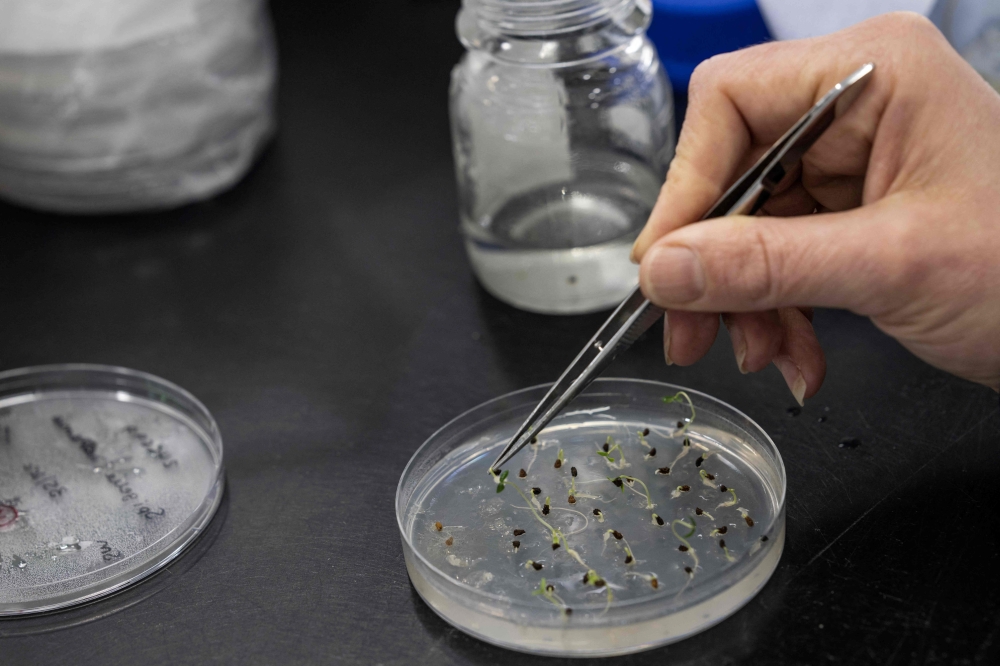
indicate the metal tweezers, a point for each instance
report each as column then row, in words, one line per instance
column 774, row 170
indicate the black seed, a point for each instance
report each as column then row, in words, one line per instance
column 536, row 491
column 699, row 461
column 522, row 474
column 628, row 559
column 572, row 499
column 659, row 521
column 663, row 470
column 605, row 447
column 645, row 432
column 550, row 588
column 545, row 510
column 516, row 544
column 652, row 452
column 723, row 529
column 850, row 443
column 722, row 543
column 534, row 440
column 586, row 578
column 685, row 488
column 597, row 512
column 709, row 476
column 682, row 548
column 568, row 611
column 518, row 532
column 616, row 534
column 749, row 521
column 794, row 411
column 572, row 470
column 617, row 482
column 723, row 488
column 537, row 565
column 698, row 511
column 599, row 582
column 763, row 538
column 687, row 442
column 821, row 419
column 554, row 546
column 688, row 570
column 558, row 464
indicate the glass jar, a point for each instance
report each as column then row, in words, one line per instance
column 111, row 106
column 562, row 124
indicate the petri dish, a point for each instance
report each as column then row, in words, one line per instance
column 106, row 475
column 670, row 530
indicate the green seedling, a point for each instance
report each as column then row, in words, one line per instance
column 548, row 592
column 729, row 555
column 609, row 447
column 685, row 547
column 631, row 480
column 731, row 491
column 677, row 397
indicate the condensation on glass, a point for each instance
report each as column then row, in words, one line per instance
column 109, row 106
column 562, row 123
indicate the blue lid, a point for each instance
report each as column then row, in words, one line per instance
column 686, row 32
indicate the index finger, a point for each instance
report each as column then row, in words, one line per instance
column 739, row 104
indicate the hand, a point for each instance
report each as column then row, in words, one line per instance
column 896, row 215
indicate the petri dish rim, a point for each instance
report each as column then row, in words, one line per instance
column 125, row 385
column 734, row 572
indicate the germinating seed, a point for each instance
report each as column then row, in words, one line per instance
column 645, row 432
column 537, row 565
column 682, row 548
column 572, row 499
column 659, row 521
column 516, row 544
column 652, row 452
column 536, row 491
column 616, row 534
column 663, row 470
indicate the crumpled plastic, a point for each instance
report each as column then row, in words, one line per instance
column 128, row 105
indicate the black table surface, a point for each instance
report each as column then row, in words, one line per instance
column 325, row 312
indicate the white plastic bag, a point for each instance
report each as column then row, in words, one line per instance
column 126, row 105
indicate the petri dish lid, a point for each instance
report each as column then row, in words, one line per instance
column 587, row 550
column 106, row 475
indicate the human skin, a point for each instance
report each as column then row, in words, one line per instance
column 896, row 215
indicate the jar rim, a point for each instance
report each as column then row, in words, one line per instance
column 535, row 18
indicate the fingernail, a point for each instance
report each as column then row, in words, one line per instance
column 793, row 377
column 631, row 256
column 739, row 343
column 666, row 341
column 675, row 274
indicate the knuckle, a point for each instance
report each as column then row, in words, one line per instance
column 748, row 265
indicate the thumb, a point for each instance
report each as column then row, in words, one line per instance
column 859, row 260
